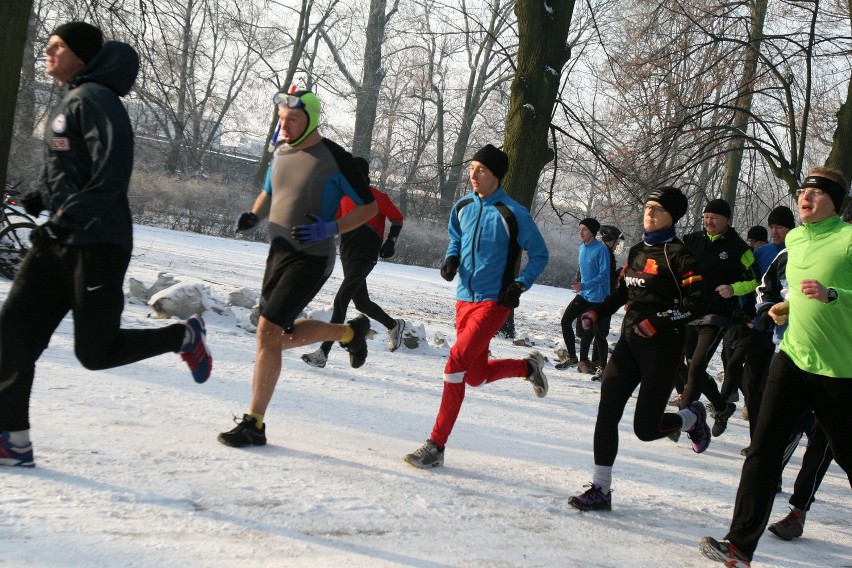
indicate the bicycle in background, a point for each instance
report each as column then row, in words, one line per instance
column 15, row 229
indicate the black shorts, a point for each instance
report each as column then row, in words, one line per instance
column 290, row 282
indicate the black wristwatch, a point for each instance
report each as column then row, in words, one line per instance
column 832, row 295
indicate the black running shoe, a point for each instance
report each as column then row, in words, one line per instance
column 720, row 417
column 245, row 434
column 594, row 499
column 358, row 346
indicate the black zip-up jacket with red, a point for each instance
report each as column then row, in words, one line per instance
column 660, row 285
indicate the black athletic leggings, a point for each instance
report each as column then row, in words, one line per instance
column 701, row 344
column 651, row 364
column 574, row 310
column 354, row 286
column 53, row 280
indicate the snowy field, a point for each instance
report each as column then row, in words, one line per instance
column 129, row 472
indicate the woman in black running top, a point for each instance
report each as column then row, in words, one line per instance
column 662, row 289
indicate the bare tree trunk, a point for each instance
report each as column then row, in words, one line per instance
column 15, row 17
column 367, row 99
column 733, row 165
column 840, row 156
column 542, row 53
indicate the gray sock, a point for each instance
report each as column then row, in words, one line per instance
column 20, row 438
column 689, row 419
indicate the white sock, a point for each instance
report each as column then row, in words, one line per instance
column 20, row 438
column 689, row 419
column 603, row 477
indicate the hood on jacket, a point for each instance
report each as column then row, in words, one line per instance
column 115, row 66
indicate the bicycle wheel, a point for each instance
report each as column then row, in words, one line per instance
column 14, row 244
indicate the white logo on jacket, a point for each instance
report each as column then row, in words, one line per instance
column 59, row 124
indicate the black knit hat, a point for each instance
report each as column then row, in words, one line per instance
column 719, row 207
column 782, row 215
column 672, row 199
column 85, row 40
column 494, row 159
column 757, row 233
column 591, row 224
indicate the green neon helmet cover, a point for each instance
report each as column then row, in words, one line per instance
column 312, row 109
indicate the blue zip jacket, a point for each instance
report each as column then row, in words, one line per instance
column 764, row 255
column 594, row 271
column 487, row 235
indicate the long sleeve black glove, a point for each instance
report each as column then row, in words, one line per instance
column 48, row 234
column 246, row 221
column 388, row 248
column 511, row 296
column 33, row 203
column 451, row 266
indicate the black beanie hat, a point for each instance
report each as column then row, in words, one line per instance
column 757, row 233
column 85, row 40
column 494, row 159
column 672, row 199
column 591, row 224
column 782, row 215
column 719, row 207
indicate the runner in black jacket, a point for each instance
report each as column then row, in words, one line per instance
column 726, row 261
column 80, row 255
column 662, row 289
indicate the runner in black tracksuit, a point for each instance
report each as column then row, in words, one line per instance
column 662, row 289
column 725, row 261
column 81, row 253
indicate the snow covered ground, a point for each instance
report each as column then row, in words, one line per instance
column 129, row 472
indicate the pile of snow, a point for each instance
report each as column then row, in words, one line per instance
column 129, row 472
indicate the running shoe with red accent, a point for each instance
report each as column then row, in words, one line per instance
column 723, row 551
column 195, row 352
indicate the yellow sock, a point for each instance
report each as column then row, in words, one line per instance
column 348, row 333
column 258, row 417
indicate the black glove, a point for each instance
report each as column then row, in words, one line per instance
column 765, row 322
column 388, row 248
column 451, row 266
column 511, row 296
column 33, row 203
column 246, row 221
column 48, row 234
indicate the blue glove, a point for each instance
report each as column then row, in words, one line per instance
column 315, row 232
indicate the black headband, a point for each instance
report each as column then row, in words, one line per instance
column 825, row 183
